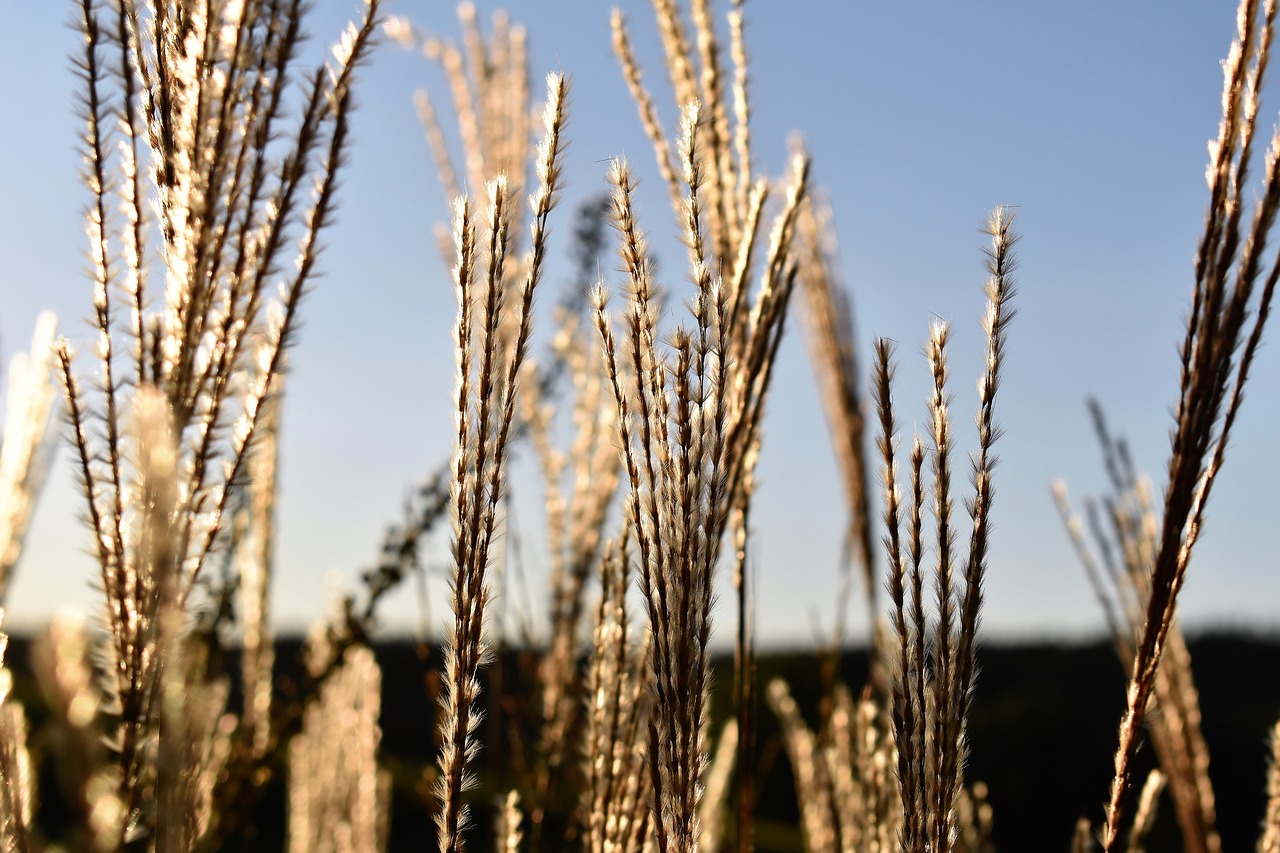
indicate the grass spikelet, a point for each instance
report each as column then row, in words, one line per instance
column 211, row 165
column 510, row 835
column 713, row 810
column 811, row 791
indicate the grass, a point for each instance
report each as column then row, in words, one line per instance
column 212, row 166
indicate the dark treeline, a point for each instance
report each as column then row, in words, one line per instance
column 1041, row 733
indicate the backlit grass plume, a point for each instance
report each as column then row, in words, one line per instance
column 615, row 798
column 339, row 798
column 688, row 424
column 731, row 202
column 1270, row 840
column 1123, row 527
column 24, row 453
column 581, row 483
column 1230, row 305
column 935, row 663
column 833, row 351
column 17, row 781
column 488, row 372
column 489, row 91
column 212, row 162
column 845, row 783
column 238, row 190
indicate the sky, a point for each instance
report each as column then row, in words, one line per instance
column 1091, row 118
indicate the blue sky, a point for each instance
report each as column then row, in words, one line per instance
column 1092, row 117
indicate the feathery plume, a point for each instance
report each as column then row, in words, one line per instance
column 485, row 409
column 929, row 709
column 1231, row 302
column 24, row 454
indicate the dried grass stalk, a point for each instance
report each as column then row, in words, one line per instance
column 338, row 796
column 834, row 356
column 688, row 421
column 207, row 88
column 489, row 366
column 577, row 514
column 845, row 773
column 713, row 811
column 488, row 79
column 1145, row 817
column 813, row 792
column 934, row 670
column 24, row 454
column 1120, row 577
column 509, row 835
column 17, row 779
column 1269, row 842
column 615, row 796
column 1231, row 301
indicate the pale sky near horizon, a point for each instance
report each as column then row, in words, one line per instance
column 1091, row 117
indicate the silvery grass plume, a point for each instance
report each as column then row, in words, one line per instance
column 24, row 454
column 732, row 205
column 17, row 781
column 745, row 686
column 253, row 533
column 833, row 355
column 616, row 793
column 733, row 196
column 242, row 179
column 845, row 782
column 62, row 661
column 1230, row 304
column 688, row 423
column 339, row 799
column 190, row 744
column 935, row 669
column 714, row 810
column 487, row 74
column 833, row 352
column 1145, row 817
column 509, row 836
column 488, row 79
column 577, row 514
column 488, row 372
column 697, row 72
column 1270, row 840
column 1123, row 531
